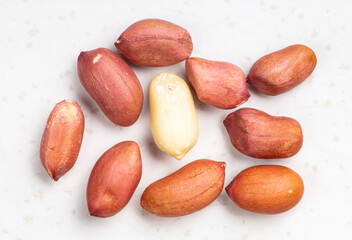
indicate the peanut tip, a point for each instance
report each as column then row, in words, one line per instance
column 179, row 157
column 69, row 111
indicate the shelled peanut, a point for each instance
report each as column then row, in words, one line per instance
column 114, row 179
column 155, row 43
column 220, row 84
column 112, row 84
column 173, row 116
column 62, row 138
column 260, row 135
column 267, row 189
column 185, row 191
column 280, row 71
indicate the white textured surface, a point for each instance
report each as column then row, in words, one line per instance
column 39, row 44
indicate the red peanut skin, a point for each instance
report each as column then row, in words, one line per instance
column 260, row 135
column 114, row 179
column 155, row 43
column 112, row 84
column 62, row 138
column 185, row 191
column 220, row 84
column 266, row 189
column 283, row 70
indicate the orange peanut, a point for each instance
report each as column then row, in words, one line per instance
column 280, row 71
column 185, row 191
column 266, row 189
column 62, row 138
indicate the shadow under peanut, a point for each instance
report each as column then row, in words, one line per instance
column 82, row 208
column 151, row 219
column 152, row 149
column 260, row 96
column 244, row 215
column 38, row 168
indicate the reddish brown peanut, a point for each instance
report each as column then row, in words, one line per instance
column 283, row 70
column 220, row 84
column 267, row 189
column 112, row 84
column 62, row 138
column 185, row 191
column 260, row 135
column 114, row 179
column 155, row 43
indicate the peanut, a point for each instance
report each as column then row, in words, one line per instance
column 62, row 138
column 266, row 189
column 220, row 84
column 112, row 84
column 173, row 116
column 260, row 135
column 155, row 43
column 190, row 189
column 280, row 71
column 114, row 179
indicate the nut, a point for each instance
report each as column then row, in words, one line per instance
column 155, row 43
column 173, row 116
column 112, row 84
column 283, row 70
column 114, row 179
column 62, row 138
column 267, row 189
column 185, row 191
column 220, row 84
column 260, row 135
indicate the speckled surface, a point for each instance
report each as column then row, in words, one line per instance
column 40, row 43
